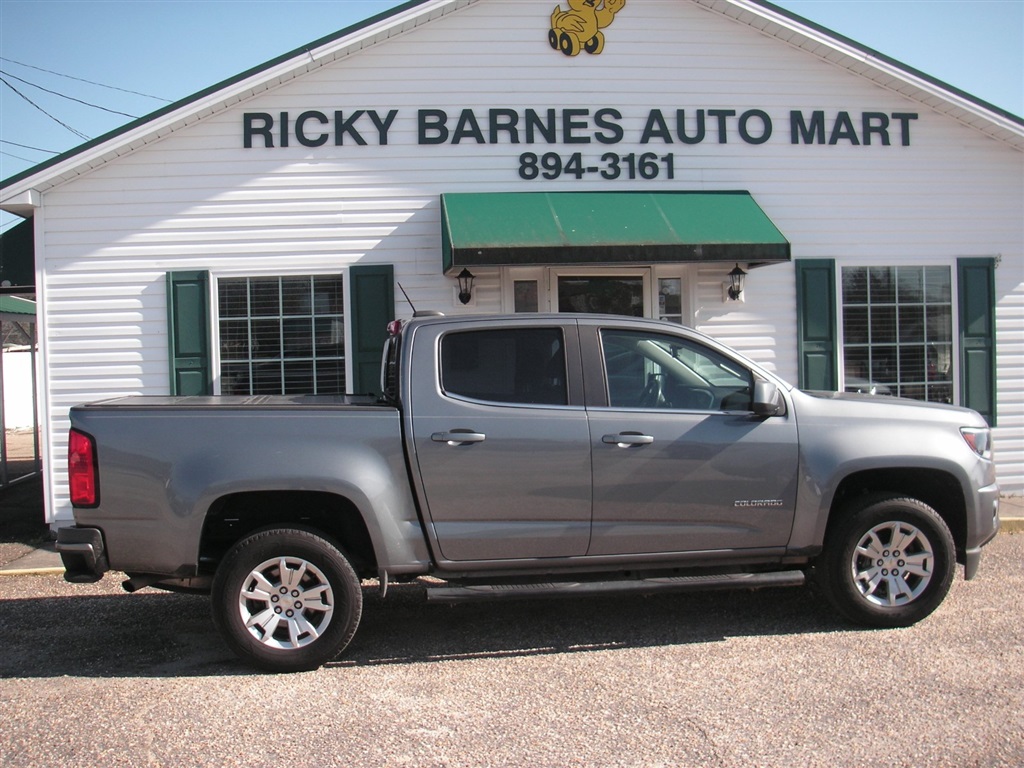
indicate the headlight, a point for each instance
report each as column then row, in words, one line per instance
column 980, row 440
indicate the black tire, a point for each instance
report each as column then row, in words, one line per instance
column 567, row 44
column 595, row 44
column 286, row 600
column 888, row 563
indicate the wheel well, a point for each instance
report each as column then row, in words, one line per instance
column 233, row 517
column 937, row 489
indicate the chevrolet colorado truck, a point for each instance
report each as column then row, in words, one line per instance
column 527, row 455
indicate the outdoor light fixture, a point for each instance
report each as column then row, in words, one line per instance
column 465, row 278
column 736, row 279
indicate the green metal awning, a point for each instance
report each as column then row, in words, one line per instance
column 605, row 228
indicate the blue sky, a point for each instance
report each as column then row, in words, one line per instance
column 171, row 49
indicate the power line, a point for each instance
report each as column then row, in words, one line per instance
column 17, row 157
column 26, row 146
column 83, row 80
column 56, row 120
column 65, row 96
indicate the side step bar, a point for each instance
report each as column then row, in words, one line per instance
column 583, row 588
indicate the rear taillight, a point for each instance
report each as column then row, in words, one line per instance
column 83, row 473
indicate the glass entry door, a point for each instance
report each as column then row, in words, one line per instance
column 611, row 294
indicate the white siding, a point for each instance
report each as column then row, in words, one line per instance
column 198, row 200
column 1009, row 436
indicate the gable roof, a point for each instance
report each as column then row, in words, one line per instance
column 875, row 66
column 20, row 193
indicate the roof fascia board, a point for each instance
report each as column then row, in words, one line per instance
column 226, row 93
column 819, row 35
column 24, row 203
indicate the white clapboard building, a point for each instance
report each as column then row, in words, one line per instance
column 618, row 157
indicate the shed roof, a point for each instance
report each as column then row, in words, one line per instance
column 574, row 228
column 15, row 307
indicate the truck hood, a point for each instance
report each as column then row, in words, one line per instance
column 853, row 404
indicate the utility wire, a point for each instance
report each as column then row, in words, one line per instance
column 26, row 146
column 56, row 120
column 18, row 157
column 64, row 96
column 83, row 80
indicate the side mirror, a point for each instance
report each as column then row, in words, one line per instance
column 768, row 401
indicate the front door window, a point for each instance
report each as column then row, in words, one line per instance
column 602, row 294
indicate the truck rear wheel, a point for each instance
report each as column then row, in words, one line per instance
column 889, row 563
column 286, row 600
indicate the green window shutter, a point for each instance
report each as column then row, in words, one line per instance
column 188, row 332
column 372, row 307
column 976, row 296
column 817, row 331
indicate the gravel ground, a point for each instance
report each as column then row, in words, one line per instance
column 91, row 675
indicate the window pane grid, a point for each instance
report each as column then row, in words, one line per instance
column 897, row 329
column 282, row 335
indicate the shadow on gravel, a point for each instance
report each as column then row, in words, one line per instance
column 154, row 634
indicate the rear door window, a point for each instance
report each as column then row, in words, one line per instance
column 506, row 365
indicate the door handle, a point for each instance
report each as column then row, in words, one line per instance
column 458, row 437
column 628, row 439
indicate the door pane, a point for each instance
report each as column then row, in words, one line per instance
column 526, row 296
column 602, row 295
column 670, row 299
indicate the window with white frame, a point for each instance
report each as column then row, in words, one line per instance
column 670, row 299
column 282, row 335
column 898, row 331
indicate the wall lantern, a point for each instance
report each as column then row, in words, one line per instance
column 736, row 279
column 465, row 278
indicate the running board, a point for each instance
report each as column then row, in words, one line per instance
column 583, row 588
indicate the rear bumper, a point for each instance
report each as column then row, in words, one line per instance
column 83, row 554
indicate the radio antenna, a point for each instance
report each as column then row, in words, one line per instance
column 416, row 312
column 407, row 298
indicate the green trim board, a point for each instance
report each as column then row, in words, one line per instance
column 976, row 296
column 568, row 228
column 188, row 333
column 817, row 324
column 371, row 308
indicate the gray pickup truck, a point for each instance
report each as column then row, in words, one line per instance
column 521, row 456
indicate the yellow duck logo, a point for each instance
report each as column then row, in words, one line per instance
column 579, row 28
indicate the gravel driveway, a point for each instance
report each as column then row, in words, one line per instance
column 91, row 675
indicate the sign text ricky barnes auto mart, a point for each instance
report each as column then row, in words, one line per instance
column 316, row 128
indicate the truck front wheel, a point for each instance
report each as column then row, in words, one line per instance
column 286, row 600
column 889, row 563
